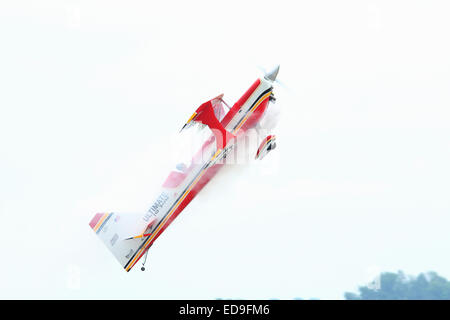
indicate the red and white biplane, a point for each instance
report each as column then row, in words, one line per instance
column 129, row 236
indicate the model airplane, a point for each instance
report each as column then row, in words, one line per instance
column 129, row 236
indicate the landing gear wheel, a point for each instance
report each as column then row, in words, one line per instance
column 145, row 260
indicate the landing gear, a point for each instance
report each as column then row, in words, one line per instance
column 145, row 260
column 266, row 146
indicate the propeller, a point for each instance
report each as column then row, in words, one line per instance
column 272, row 76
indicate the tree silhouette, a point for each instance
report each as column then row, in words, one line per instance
column 398, row 286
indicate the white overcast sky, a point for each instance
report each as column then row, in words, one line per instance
column 91, row 93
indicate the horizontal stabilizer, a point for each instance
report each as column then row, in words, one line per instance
column 113, row 229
